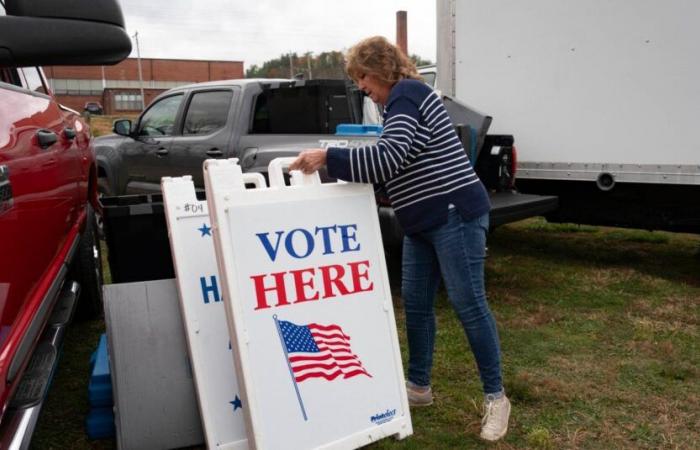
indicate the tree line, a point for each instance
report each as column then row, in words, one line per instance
column 328, row 65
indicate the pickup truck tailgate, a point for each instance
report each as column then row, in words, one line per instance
column 509, row 206
column 506, row 207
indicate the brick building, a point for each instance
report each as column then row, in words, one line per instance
column 118, row 88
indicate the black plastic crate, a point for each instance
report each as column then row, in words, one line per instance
column 137, row 238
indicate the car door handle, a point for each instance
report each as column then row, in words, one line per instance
column 46, row 138
column 69, row 133
column 215, row 152
column 162, row 152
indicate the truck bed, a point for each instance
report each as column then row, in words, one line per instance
column 506, row 207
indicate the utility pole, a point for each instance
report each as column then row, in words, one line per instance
column 104, row 87
column 308, row 64
column 138, row 56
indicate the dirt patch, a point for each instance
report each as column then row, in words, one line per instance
column 650, row 328
column 531, row 387
column 539, row 316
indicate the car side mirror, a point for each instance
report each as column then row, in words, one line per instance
column 122, row 127
column 50, row 33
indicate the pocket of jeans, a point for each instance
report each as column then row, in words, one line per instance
column 484, row 222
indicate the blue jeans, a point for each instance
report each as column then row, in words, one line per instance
column 454, row 251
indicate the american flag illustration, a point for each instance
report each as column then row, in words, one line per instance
column 319, row 351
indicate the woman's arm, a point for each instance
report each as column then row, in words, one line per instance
column 379, row 162
column 375, row 163
column 309, row 160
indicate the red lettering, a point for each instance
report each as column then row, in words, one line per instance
column 301, row 285
column 357, row 276
column 330, row 280
column 261, row 291
column 306, row 280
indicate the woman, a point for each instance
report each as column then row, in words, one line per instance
column 442, row 207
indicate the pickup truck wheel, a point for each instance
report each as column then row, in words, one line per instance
column 103, row 190
column 86, row 269
column 103, row 187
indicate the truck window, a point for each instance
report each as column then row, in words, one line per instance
column 429, row 78
column 159, row 119
column 207, row 112
column 33, row 80
column 10, row 76
column 316, row 107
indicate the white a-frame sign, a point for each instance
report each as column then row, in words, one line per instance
column 309, row 307
column 201, row 303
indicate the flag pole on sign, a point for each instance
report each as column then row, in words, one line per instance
column 289, row 364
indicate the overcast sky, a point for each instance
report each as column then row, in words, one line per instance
column 254, row 31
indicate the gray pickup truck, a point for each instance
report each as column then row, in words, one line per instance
column 259, row 120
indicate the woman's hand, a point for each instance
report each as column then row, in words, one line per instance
column 310, row 160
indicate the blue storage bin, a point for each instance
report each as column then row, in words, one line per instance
column 100, row 386
column 353, row 129
column 100, row 423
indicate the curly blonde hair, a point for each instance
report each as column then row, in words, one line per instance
column 379, row 57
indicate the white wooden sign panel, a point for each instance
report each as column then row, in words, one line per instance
column 307, row 297
column 201, row 302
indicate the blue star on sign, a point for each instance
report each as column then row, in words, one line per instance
column 205, row 230
column 237, row 403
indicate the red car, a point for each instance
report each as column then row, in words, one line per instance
column 49, row 255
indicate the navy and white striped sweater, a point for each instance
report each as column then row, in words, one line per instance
column 419, row 160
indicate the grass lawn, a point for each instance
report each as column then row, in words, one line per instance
column 102, row 125
column 599, row 331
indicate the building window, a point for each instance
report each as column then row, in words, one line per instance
column 76, row 87
column 60, row 86
column 127, row 102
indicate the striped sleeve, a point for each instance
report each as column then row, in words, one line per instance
column 379, row 162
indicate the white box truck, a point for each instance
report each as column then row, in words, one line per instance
column 603, row 96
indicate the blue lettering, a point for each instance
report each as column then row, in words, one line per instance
column 207, row 289
column 289, row 243
column 346, row 236
column 272, row 252
column 325, row 231
column 325, row 235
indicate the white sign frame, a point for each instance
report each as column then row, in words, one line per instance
column 203, row 314
column 230, row 206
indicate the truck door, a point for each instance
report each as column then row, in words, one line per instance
column 72, row 166
column 38, row 189
column 146, row 156
column 206, row 133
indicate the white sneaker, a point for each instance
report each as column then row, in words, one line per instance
column 494, row 425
